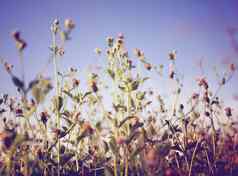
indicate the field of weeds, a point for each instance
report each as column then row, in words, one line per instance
column 56, row 127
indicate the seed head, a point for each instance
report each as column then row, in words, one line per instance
column 228, row 111
column 172, row 55
column 69, row 24
column 98, row 51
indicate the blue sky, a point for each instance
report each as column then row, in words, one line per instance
column 195, row 28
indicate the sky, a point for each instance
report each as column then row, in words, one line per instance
column 197, row 29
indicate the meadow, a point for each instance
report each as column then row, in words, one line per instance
column 56, row 126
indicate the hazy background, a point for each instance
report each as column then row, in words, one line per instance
column 197, row 29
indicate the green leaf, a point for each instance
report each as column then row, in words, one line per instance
column 111, row 73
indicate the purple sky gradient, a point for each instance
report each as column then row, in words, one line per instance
column 196, row 29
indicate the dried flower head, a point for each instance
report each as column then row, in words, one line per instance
column 228, row 111
column 69, row 24
column 76, row 82
column 60, row 51
column 195, row 96
column 110, row 41
column 172, row 55
column 44, row 117
column 16, row 35
column 148, row 66
column 8, row 67
column 171, row 71
column 19, row 112
column 20, row 43
column 98, row 51
column 202, row 82
column 120, row 36
column 93, row 85
column 138, row 53
column 55, row 26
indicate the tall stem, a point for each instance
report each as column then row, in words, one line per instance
column 128, row 131
column 115, row 166
column 57, row 96
column 193, row 156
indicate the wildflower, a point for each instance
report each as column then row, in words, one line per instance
column 73, row 70
column 195, row 96
column 147, row 66
column 207, row 114
column 181, row 106
column 56, row 22
column 44, row 117
column 98, row 51
column 33, row 103
column 206, row 97
column 19, row 112
column 124, row 53
column 228, row 111
column 120, row 36
column 172, row 55
column 138, row 53
column 93, row 85
column 69, row 24
column 223, row 81
column 171, row 71
column 55, row 26
column 202, row 82
column 60, row 51
column 76, row 82
column 110, row 41
column 16, row 35
column 119, row 42
column 129, row 62
column 8, row 67
column 20, row 43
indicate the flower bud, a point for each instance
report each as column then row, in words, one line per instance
column 69, row 24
